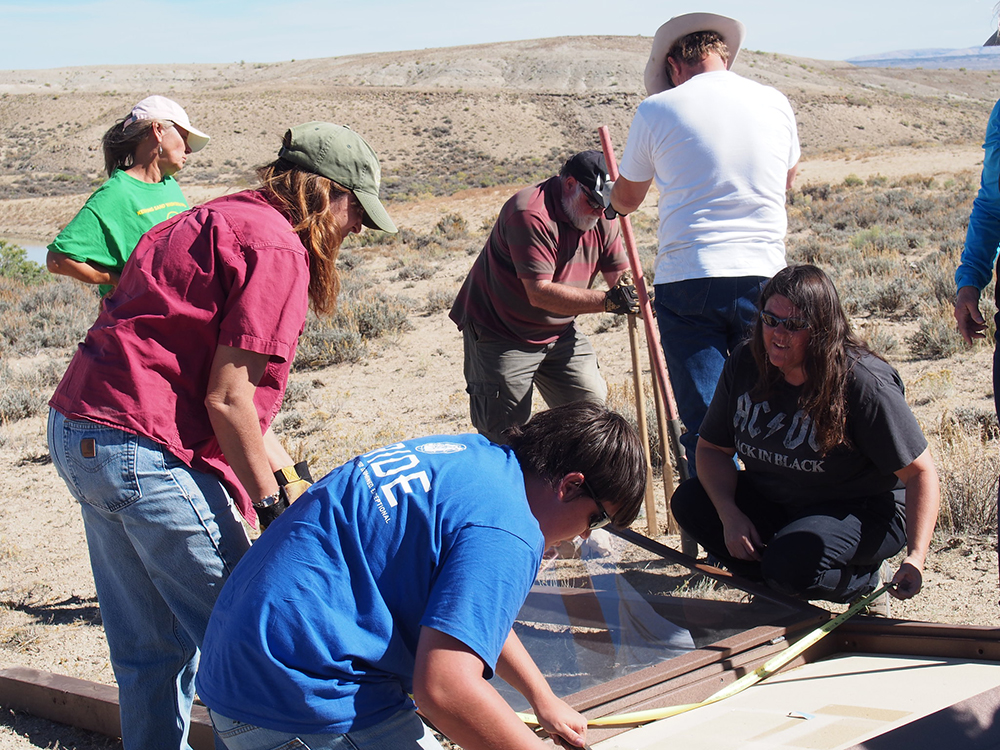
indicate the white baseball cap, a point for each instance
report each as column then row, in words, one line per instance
column 158, row 107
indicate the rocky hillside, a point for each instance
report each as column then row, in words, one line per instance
column 441, row 119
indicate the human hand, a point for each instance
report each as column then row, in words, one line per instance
column 742, row 539
column 565, row 726
column 604, row 190
column 270, row 507
column 971, row 324
column 908, row 579
column 622, row 299
column 294, row 479
column 292, row 482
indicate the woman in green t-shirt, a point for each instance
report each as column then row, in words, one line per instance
column 142, row 152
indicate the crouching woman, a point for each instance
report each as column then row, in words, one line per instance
column 837, row 474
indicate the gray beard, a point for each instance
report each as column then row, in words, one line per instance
column 582, row 221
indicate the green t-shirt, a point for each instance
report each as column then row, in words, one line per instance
column 120, row 211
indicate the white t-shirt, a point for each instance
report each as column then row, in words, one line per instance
column 720, row 147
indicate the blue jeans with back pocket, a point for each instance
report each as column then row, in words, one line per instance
column 701, row 321
column 401, row 731
column 163, row 539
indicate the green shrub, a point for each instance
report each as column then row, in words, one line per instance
column 452, row 227
column 52, row 314
column 416, row 271
column 968, row 477
column 438, row 300
column 361, row 315
column 14, row 264
column 936, row 337
column 25, row 393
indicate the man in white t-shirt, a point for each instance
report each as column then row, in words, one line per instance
column 723, row 149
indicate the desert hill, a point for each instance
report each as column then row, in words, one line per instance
column 441, row 119
column 456, row 129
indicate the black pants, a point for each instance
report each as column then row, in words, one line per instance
column 828, row 550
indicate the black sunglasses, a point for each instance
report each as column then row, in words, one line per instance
column 792, row 325
column 592, row 199
column 600, row 519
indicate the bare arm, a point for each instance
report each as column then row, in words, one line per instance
column 276, row 453
column 971, row 323
column 627, row 196
column 562, row 299
column 923, row 497
column 89, row 273
column 790, row 178
column 231, row 385
column 556, row 717
column 717, row 474
column 449, row 689
column 612, row 277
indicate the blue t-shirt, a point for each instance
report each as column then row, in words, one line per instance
column 316, row 630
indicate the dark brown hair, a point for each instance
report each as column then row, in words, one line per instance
column 588, row 438
column 830, row 353
column 305, row 198
column 121, row 141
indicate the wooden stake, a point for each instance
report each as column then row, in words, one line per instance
column 640, row 417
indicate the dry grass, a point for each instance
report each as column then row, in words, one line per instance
column 890, row 246
column 968, row 464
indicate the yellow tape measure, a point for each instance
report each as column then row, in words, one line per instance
column 769, row 667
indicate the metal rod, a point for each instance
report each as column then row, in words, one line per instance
column 717, row 574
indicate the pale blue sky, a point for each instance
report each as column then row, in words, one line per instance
column 57, row 33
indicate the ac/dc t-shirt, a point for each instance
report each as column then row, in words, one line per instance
column 776, row 440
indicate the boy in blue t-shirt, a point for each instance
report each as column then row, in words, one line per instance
column 401, row 573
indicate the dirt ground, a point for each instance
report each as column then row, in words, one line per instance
column 413, row 384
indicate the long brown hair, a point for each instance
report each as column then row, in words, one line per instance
column 830, row 353
column 305, row 198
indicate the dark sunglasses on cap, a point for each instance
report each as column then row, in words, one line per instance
column 600, row 519
column 792, row 325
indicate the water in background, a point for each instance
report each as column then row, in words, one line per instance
column 35, row 252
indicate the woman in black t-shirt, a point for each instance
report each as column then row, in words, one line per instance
column 837, row 474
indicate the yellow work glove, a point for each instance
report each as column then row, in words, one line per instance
column 292, row 482
column 294, row 479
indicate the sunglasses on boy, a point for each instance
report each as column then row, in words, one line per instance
column 600, row 519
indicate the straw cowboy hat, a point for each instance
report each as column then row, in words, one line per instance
column 731, row 31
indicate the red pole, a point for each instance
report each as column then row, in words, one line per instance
column 657, row 362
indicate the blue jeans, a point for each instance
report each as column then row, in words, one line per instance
column 701, row 321
column 402, row 731
column 163, row 539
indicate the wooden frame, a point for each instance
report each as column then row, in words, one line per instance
column 688, row 678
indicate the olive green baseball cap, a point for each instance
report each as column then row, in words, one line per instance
column 338, row 153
